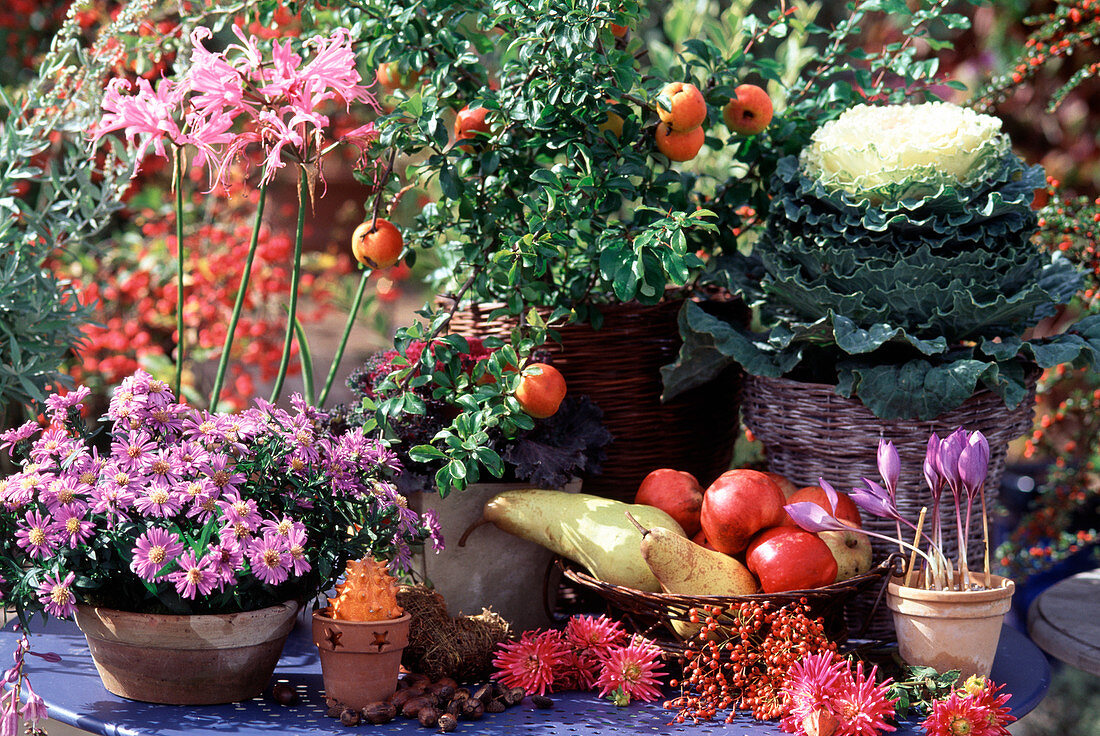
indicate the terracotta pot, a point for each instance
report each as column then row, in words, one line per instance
column 360, row 660
column 186, row 660
column 950, row 629
column 493, row 569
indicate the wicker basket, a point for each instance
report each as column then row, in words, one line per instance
column 810, row 432
column 618, row 367
column 651, row 613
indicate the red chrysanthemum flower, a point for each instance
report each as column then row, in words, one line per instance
column 861, row 705
column 579, row 671
column 960, row 714
column 633, row 669
column 594, row 634
column 533, row 663
column 989, row 707
column 809, row 688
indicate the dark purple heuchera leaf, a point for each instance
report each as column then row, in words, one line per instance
column 566, row 445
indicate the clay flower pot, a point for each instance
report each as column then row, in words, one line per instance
column 950, row 629
column 360, row 660
column 186, row 660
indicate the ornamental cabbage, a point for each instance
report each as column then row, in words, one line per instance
column 896, row 263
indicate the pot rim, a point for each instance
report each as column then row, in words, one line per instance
column 1004, row 588
column 290, row 604
column 319, row 615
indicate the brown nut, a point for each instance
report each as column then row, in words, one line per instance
column 428, row 717
column 541, row 701
column 447, row 723
column 380, row 712
column 447, row 681
column 472, row 709
column 514, row 696
column 334, row 709
column 401, row 697
column 483, row 693
column 462, row 692
column 444, row 692
column 454, row 707
column 349, row 717
column 413, row 706
column 416, row 679
column 284, row 694
column 495, row 706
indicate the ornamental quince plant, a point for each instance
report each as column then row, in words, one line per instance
column 897, row 263
column 169, row 509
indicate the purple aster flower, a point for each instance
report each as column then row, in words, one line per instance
column 166, row 420
column 435, row 532
column 63, row 492
column 53, row 444
column 161, row 466
column 204, row 428
column 240, row 511
column 57, row 595
column 126, row 401
column 87, row 469
column 21, row 488
column 22, row 433
column 38, row 535
column 158, row 393
column 311, row 413
column 223, row 472
column 194, row 577
column 154, row 549
column 296, row 545
column 131, row 449
column 401, row 562
column 225, row 559
column 281, row 528
column 157, row 500
column 191, row 458
column 112, row 502
column 59, row 404
column 72, row 525
column 269, row 558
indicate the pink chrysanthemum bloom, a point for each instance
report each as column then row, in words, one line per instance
column 579, row 671
column 633, row 669
column 595, row 634
column 809, row 688
column 533, row 662
column 861, row 705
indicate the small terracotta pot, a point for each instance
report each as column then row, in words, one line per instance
column 950, row 629
column 360, row 660
column 186, row 660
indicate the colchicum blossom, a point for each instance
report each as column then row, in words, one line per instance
column 903, row 151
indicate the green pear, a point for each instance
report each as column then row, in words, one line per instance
column 590, row 530
column 686, row 568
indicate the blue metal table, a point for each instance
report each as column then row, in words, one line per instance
column 75, row 696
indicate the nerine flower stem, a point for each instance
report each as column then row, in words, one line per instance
column 352, row 313
column 295, row 278
column 223, row 361
column 177, row 184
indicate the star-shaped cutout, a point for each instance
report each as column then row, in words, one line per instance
column 381, row 639
column 334, row 637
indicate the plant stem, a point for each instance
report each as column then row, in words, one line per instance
column 223, row 361
column 295, row 278
column 177, row 183
column 352, row 314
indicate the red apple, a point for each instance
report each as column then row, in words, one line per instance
column 701, row 540
column 675, row 492
column 785, row 485
column 470, row 122
column 851, row 550
column 846, row 509
column 749, row 110
column 738, row 505
column 788, row 558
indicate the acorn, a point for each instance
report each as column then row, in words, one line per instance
column 412, row 707
column 380, row 712
column 334, row 709
column 401, row 697
column 349, row 717
column 495, row 706
column 447, row 723
column 541, row 701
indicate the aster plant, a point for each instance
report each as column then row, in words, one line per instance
column 176, row 510
column 896, row 264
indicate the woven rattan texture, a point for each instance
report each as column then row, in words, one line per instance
column 650, row 613
column 618, row 367
column 810, row 432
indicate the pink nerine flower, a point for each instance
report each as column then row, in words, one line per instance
column 150, row 115
column 632, row 669
column 533, row 662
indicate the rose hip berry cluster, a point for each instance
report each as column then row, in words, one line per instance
column 740, row 658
